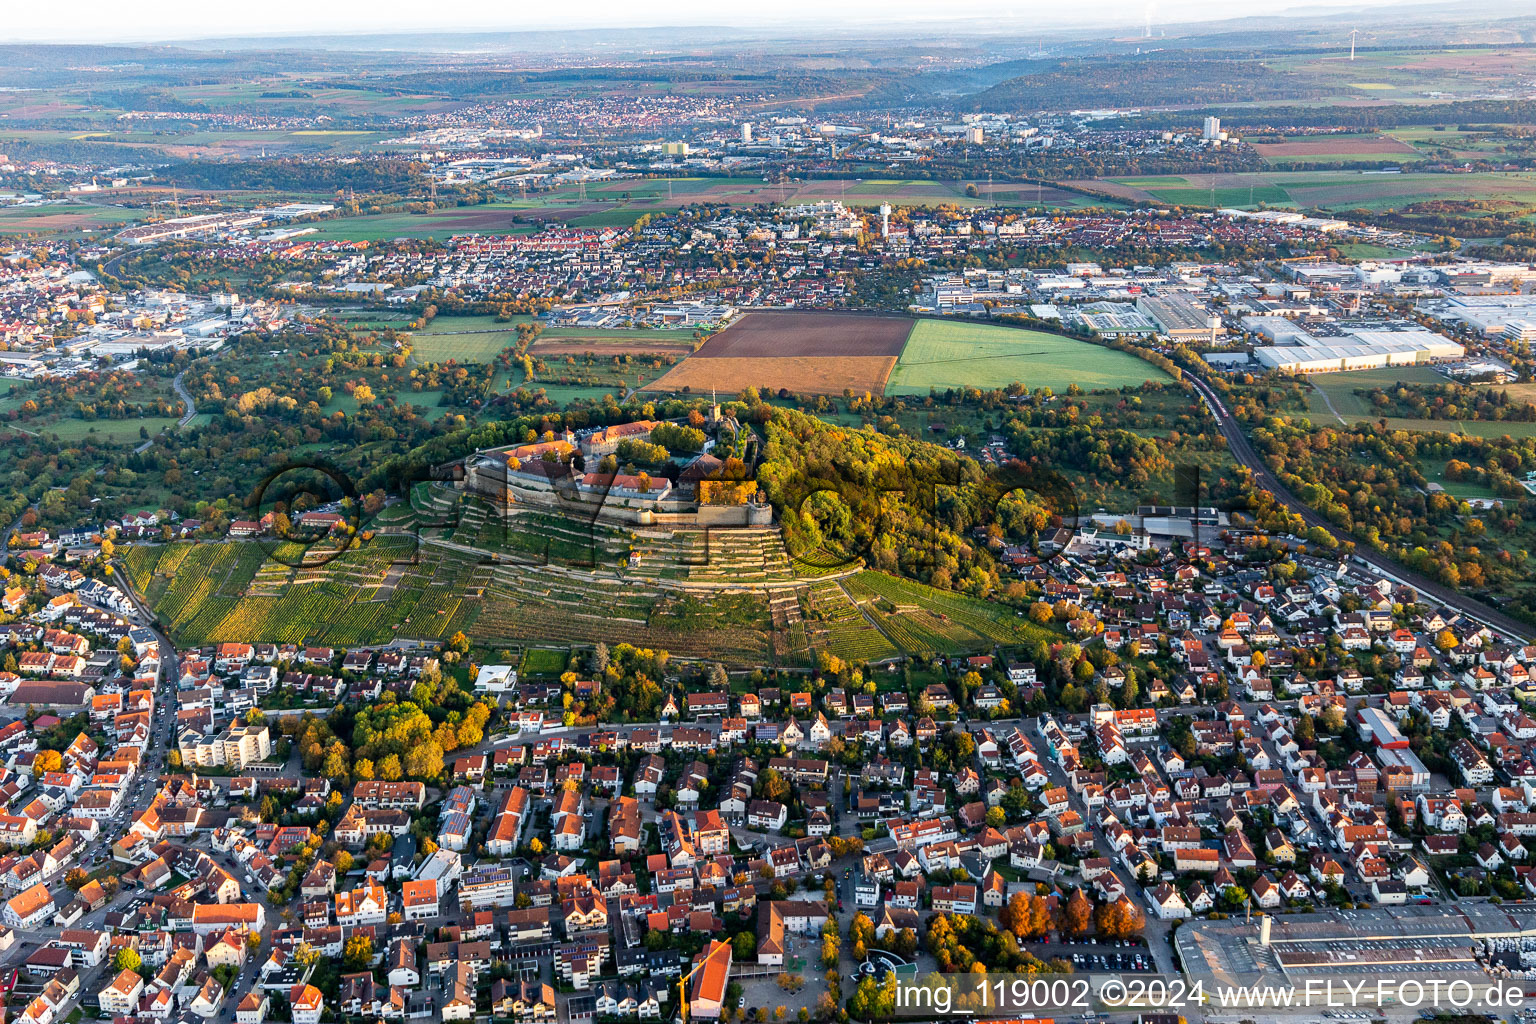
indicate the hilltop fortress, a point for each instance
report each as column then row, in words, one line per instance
column 565, row 473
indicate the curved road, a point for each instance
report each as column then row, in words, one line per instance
column 109, row 268
column 186, row 397
column 1246, row 456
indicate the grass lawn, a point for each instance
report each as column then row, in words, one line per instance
column 1434, row 472
column 563, row 394
column 1340, row 389
column 461, row 348
column 541, row 661
column 946, row 354
column 1474, row 428
column 9, row 402
column 105, row 431
column 1372, row 251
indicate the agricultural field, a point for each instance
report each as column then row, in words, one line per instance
column 921, row 620
column 836, row 625
column 807, row 353
column 1451, row 141
column 806, row 376
column 70, row 216
column 1405, row 76
column 323, row 96
column 210, row 593
column 801, row 335
column 480, row 339
column 1338, row 191
column 730, row 595
column 542, row 605
column 441, row 225
column 1364, row 148
column 946, row 354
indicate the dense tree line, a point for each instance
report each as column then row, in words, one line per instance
column 1448, row 401
column 1372, row 481
column 289, row 174
column 1362, row 117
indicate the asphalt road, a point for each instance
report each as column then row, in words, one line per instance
column 186, row 397
column 1245, row 455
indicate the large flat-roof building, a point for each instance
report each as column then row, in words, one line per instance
column 1329, row 345
column 1402, row 943
column 1181, row 318
column 1486, row 314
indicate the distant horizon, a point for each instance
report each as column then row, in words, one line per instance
column 180, row 21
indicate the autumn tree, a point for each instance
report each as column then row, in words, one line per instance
column 1077, row 918
column 1014, row 916
column 1121, row 919
column 47, row 761
column 358, row 953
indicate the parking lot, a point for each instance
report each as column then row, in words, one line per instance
column 1116, row 960
column 1090, row 955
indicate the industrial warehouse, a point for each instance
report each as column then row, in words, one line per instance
column 1347, row 344
column 1467, row 942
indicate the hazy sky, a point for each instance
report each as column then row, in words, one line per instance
column 152, row 20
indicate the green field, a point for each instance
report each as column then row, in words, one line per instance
column 541, row 661
column 64, row 217
column 1402, row 75
column 206, row 593
column 1372, row 251
column 956, row 354
column 74, row 431
column 1434, row 472
column 544, row 581
column 1223, row 197
column 565, row 394
column 1328, row 190
column 1366, row 148
column 9, row 402
column 439, row 225
column 480, row 339
column 1340, row 387
column 476, row 347
column 921, row 620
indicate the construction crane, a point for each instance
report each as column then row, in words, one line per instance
column 682, row 983
column 682, row 991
